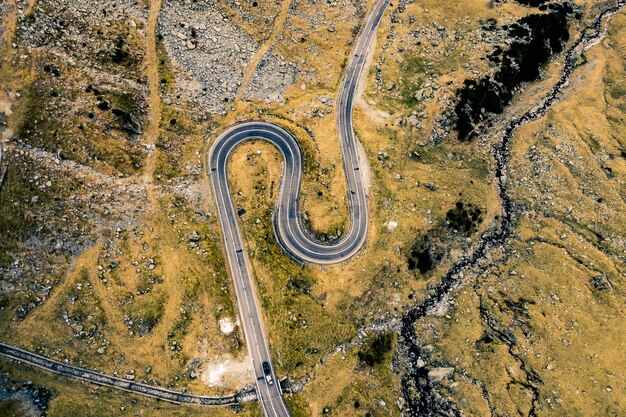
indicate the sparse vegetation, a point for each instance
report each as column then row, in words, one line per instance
column 16, row 220
column 376, row 349
column 122, row 274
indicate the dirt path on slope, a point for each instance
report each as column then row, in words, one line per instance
column 10, row 24
column 379, row 117
column 152, row 72
column 31, row 6
column 254, row 62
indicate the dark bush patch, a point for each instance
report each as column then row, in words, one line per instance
column 104, row 105
column 52, row 70
column 535, row 38
column 376, row 349
column 464, row 218
column 91, row 89
column 299, row 284
column 120, row 55
column 128, row 123
column 485, row 339
column 429, row 250
column 422, row 259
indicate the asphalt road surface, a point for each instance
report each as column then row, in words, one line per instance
column 288, row 230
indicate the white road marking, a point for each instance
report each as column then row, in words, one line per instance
column 288, row 229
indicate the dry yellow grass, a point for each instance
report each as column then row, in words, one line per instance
column 333, row 301
column 186, row 295
column 567, row 323
column 74, row 398
column 152, row 73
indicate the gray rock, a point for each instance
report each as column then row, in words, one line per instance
column 326, row 100
column 601, row 283
column 431, row 186
column 437, row 375
column 413, row 121
column 271, row 78
column 129, row 123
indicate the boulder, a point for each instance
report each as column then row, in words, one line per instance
column 437, row 375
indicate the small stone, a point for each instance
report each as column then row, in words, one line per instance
column 431, row 186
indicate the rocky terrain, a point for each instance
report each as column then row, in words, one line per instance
column 492, row 282
column 208, row 49
column 25, row 400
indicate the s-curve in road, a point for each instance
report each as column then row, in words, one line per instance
column 289, row 232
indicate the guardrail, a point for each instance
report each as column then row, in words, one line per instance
column 99, row 378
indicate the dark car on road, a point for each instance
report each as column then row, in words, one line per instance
column 266, row 370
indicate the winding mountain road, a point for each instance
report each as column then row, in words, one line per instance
column 288, row 229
